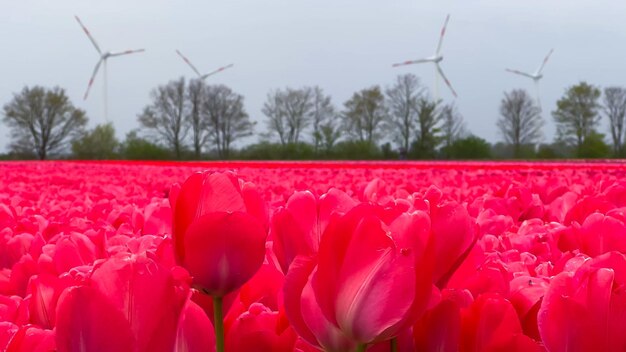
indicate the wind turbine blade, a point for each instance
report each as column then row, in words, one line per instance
column 520, row 73
column 443, row 32
column 411, row 62
column 120, row 53
column 188, row 63
column 93, row 76
column 93, row 41
column 216, row 71
column 543, row 64
column 445, row 79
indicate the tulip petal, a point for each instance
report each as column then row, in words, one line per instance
column 363, row 284
column 195, row 332
column 137, row 284
column 87, row 321
column 223, row 251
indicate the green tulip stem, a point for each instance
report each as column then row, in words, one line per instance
column 361, row 348
column 393, row 345
column 219, row 324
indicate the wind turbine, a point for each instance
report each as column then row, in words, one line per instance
column 535, row 76
column 201, row 76
column 435, row 59
column 104, row 56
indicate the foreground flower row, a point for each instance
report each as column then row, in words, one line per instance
column 312, row 257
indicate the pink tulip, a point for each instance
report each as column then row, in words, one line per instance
column 257, row 330
column 491, row 324
column 158, row 218
column 526, row 293
column 600, row 234
column 298, row 227
column 195, row 331
column 73, row 250
column 131, row 303
column 264, row 287
column 367, row 281
column 453, row 232
column 45, row 290
column 304, row 313
column 7, row 331
column 223, row 251
column 31, row 338
column 440, row 327
column 205, row 193
column 585, row 207
column 586, row 310
column 88, row 321
column 219, row 232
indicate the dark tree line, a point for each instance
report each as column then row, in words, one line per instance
column 577, row 118
column 402, row 113
column 194, row 120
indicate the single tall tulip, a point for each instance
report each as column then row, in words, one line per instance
column 219, row 232
column 204, row 193
column 372, row 280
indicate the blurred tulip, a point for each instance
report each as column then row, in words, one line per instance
column 31, row 338
column 116, row 309
column 491, row 324
column 600, row 234
column 453, row 232
column 195, row 331
column 257, row 330
column 586, row 310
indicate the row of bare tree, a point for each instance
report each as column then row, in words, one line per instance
column 208, row 114
column 403, row 113
column 577, row 117
column 213, row 116
column 191, row 115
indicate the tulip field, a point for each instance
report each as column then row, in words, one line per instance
column 312, row 256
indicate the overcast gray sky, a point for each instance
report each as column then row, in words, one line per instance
column 342, row 46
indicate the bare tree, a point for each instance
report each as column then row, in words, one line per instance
column 198, row 124
column 272, row 108
column 42, row 121
column 226, row 116
column 403, row 97
column 615, row 110
column 520, row 120
column 322, row 114
column 298, row 108
column 577, row 115
column 428, row 117
column 452, row 125
column 365, row 114
column 289, row 112
column 167, row 115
